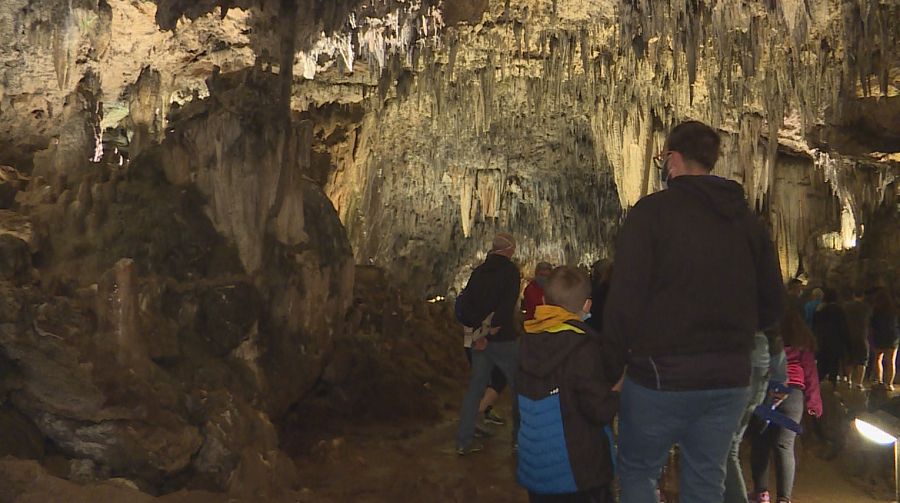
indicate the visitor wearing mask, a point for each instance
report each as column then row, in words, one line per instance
column 803, row 382
column 696, row 277
column 534, row 292
column 885, row 337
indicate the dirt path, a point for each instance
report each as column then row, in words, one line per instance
column 395, row 463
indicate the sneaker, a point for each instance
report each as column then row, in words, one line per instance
column 482, row 433
column 491, row 417
column 474, row 447
column 784, row 500
column 890, row 387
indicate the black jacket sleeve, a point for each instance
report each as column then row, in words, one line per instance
column 630, row 286
column 770, row 291
column 844, row 330
column 593, row 392
column 508, row 298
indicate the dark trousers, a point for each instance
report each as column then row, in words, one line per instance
column 781, row 440
column 598, row 495
column 498, row 380
column 829, row 363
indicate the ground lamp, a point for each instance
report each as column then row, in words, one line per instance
column 883, row 427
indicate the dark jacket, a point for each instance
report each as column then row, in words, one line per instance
column 565, row 404
column 493, row 287
column 832, row 330
column 885, row 329
column 696, row 276
column 599, row 291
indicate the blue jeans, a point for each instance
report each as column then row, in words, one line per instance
column 735, row 487
column 702, row 423
column 503, row 355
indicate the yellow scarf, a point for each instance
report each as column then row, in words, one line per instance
column 547, row 317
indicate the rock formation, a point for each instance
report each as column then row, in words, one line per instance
column 188, row 189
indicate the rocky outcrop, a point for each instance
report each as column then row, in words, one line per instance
column 398, row 347
column 234, row 149
column 149, row 351
column 28, row 482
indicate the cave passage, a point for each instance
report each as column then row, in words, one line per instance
column 234, row 233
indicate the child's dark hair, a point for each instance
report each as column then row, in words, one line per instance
column 795, row 333
column 567, row 287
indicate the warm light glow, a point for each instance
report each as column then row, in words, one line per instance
column 848, row 227
column 874, row 433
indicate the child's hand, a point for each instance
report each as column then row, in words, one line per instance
column 480, row 344
column 618, row 386
column 776, row 398
column 812, row 413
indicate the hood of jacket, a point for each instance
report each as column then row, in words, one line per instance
column 495, row 262
column 553, row 334
column 723, row 196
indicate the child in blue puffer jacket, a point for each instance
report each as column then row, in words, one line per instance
column 566, row 400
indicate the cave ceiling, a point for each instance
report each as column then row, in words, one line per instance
column 436, row 123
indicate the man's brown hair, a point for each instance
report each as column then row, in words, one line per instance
column 695, row 141
column 567, row 287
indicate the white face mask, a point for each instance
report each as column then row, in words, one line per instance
column 585, row 316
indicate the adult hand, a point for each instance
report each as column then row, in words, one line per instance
column 812, row 413
column 494, row 330
column 480, row 344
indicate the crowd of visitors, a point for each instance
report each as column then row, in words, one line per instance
column 691, row 343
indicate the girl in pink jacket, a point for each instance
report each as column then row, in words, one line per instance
column 803, row 381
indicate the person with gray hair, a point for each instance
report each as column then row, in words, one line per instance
column 492, row 293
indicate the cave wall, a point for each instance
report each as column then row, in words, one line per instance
column 192, row 182
column 815, row 80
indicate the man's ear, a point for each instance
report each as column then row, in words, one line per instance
column 587, row 306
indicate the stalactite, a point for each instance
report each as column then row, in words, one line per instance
column 769, row 76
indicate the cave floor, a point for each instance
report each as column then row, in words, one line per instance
column 406, row 462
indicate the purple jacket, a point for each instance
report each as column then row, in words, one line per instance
column 802, row 373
